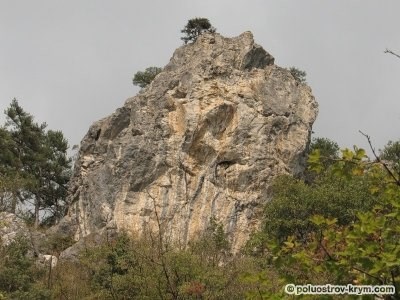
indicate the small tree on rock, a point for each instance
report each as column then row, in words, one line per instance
column 299, row 75
column 194, row 28
column 143, row 78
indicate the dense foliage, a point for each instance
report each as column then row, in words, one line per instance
column 144, row 78
column 122, row 267
column 194, row 28
column 34, row 167
column 391, row 153
column 20, row 278
column 348, row 232
column 344, row 227
column 328, row 149
column 294, row 202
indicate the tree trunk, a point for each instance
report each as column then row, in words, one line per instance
column 37, row 204
column 13, row 203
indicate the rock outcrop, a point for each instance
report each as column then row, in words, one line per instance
column 14, row 229
column 204, row 139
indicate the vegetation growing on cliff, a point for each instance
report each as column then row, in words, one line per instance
column 298, row 74
column 194, row 28
column 344, row 227
column 339, row 224
column 144, row 78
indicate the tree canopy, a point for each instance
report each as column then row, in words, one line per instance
column 343, row 228
column 391, row 153
column 194, row 28
column 34, row 166
column 144, row 78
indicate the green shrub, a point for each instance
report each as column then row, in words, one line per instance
column 294, row 202
column 144, row 78
column 19, row 276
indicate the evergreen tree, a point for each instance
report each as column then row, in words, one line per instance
column 298, row 74
column 10, row 182
column 194, row 28
column 328, row 149
column 391, row 153
column 38, row 157
column 143, row 78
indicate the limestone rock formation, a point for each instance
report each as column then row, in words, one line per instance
column 13, row 228
column 204, row 139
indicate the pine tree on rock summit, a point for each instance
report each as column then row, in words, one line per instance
column 195, row 27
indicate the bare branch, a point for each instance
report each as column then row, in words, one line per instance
column 391, row 52
column 366, row 273
column 321, row 237
column 161, row 252
column 330, row 257
column 377, row 158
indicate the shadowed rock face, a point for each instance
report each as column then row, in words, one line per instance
column 204, row 139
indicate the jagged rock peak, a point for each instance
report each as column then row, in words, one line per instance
column 223, row 54
column 204, row 139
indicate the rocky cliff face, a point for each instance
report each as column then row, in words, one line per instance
column 204, row 139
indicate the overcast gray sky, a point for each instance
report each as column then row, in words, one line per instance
column 70, row 63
